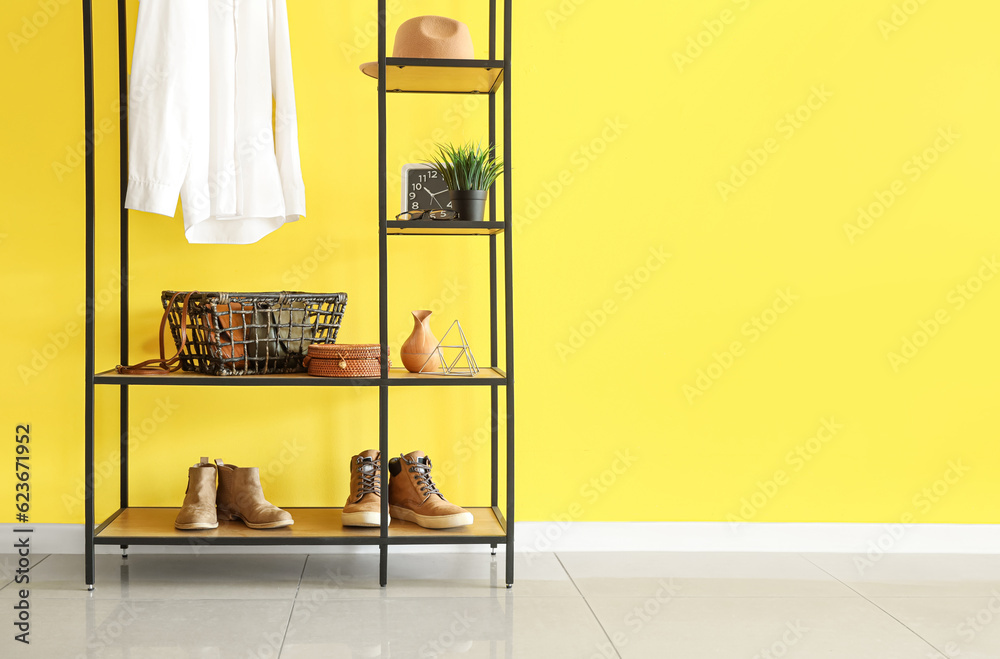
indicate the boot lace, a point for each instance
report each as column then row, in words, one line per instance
column 369, row 483
column 423, row 476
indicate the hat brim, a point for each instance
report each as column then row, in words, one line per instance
column 370, row 69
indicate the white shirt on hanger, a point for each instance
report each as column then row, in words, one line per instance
column 209, row 80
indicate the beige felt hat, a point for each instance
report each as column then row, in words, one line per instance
column 434, row 37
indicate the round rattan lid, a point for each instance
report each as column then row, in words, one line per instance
column 345, row 351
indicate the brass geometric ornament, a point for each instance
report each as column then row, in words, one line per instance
column 455, row 358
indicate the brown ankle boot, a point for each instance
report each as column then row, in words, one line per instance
column 240, row 497
column 364, row 504
column 198, row 511
column 414, row 497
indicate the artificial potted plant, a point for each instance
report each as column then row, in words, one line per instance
column 470, row 171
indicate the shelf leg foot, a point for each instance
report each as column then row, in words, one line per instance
column 383, row 567
column 509, row 586
column 493, row 552
column 124, row 551
column 90, row 587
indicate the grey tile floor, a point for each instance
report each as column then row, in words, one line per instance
column 574, row 605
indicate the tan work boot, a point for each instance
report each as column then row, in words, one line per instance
column 198, row 511
column 414, row 497
column 240, row 497
column 364, row 504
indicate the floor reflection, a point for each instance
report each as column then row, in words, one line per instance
column 380, row 626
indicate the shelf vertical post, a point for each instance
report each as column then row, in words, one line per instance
column 494, row 352
column 123, row 429
column 88, row 421
column 383, row 390
column 508, row 284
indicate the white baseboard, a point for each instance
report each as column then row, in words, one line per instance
column 616, row 536
column 758, row 537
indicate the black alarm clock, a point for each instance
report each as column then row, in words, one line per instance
column 424, row 188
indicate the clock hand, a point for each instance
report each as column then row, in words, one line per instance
column 434, row 197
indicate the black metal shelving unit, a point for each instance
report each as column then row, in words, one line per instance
column 321, row 526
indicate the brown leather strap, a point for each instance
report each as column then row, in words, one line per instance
column 163, row 366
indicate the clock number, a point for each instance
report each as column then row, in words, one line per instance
column 418, row 186
column 415, row 206
column 413, row 195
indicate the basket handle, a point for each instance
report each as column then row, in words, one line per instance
column 163, row 365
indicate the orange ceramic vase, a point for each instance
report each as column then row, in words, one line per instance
column 420, row 345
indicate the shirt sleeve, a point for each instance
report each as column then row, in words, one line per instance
column 168, row 103
column 286, row 130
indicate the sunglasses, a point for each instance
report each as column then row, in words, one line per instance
column 427, row 215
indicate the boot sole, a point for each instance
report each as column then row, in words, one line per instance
column 196, row 526
column 431, row 521
column 361, row 519
column 267, row 525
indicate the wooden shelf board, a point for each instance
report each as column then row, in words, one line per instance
column 156, row 526
column 442, row 228
column 430, row 76
column 397, row 377
column 400, row 376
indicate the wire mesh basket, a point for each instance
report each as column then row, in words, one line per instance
column 253, row 333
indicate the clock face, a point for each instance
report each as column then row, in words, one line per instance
column 424, row 188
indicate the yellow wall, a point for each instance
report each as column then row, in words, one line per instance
column 680, row 343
